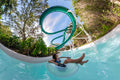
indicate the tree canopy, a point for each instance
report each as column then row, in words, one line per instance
column 25, row 16
column 6, row 6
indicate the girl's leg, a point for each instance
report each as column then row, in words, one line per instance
column 74, row 60
column 83, row 62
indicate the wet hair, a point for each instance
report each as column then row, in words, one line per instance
column 54, row 57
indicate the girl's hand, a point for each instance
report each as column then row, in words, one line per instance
column 56, row 63
column 69, row 57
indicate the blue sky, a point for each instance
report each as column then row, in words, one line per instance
column 65, row 3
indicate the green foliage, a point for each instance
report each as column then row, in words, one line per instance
column 51, row 50
column 5, row 34
column 77, row 11
column 8, row 6
column 27, row 45
column 99, row 17
column 5, row 30
column 89, row 7
column 116, row 11
column 43, row 46
column 78, row 30
column 14, row 42
column 40, row 48
column 4, row 39
column 10, row 41
column 24, row 18
column 30, row 46
column 105, row 28
column 75, row 1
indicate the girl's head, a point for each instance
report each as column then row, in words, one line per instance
column 55, row 56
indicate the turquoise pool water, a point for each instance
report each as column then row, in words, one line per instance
column 104, row 64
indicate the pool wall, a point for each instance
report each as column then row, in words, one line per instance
column 24, row 57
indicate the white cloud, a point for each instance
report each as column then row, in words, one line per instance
column 49, row 23
column 46, row 39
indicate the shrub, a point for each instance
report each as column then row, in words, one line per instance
column 51, row 50
column 104, row 28
column 27, row 45
column 14, row 42
column 4, row 39
column 40, row 48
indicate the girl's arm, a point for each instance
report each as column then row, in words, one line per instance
column 52, row 61
column 64, row 57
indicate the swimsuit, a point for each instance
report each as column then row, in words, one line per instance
column 58, row 61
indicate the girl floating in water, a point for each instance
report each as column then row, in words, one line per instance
column 56, row 60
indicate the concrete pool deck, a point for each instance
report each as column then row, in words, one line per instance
column 29, row 59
